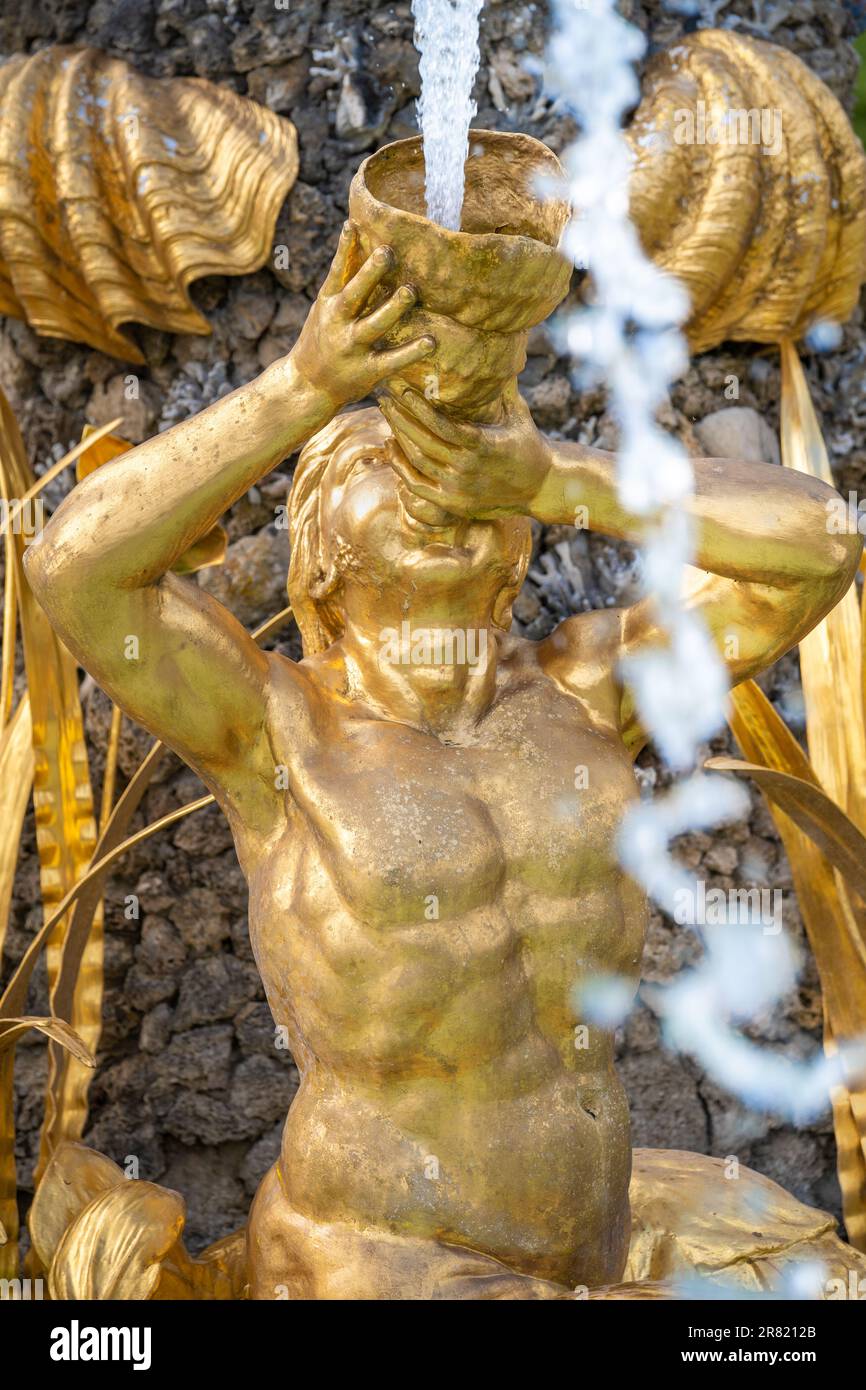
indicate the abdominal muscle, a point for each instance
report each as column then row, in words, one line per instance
column 448, row 1129
column 518, row 1163
column 535, row 1189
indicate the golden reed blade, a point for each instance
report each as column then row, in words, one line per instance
column 109, row 778
column 831, row 669
column 831, row 656
column 863, row 643
column 63, row 803
column 11, row 1030
column 835, row 941
column 90, row 882
column 850, row 1164
column 815, row 813
column 8, row 1173
column 16, row 779
column 16, row 989
column 833, row 930
column 10, row 627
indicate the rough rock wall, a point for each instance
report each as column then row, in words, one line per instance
column 190, row 1081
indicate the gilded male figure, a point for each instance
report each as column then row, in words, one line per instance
column 427, row 884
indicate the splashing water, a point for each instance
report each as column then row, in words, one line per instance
column 629, row 338
column 446, row 36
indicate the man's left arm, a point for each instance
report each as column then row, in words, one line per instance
column 768, row 565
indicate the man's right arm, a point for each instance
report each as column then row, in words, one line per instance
column 167, row 653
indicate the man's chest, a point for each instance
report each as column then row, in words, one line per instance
column 400, row 816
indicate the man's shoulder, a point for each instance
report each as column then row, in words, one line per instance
column 580, row 657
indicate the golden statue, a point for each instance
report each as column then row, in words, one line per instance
column 419, row 935
column 419, row 929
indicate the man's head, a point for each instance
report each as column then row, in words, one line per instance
column 362, row 548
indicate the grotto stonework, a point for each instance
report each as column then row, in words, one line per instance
column 191, row 1082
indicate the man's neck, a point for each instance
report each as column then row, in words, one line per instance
column 440, row 678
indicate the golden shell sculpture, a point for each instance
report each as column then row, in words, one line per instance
column 749, row 186
column 118, row 190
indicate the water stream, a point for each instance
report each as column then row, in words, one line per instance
column 446, row 36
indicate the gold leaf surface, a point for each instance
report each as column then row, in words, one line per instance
column 831, row 655
column 764, row 225
column 63, row 806
column 73, row 1176
column 118, row 190
column 833, row 935
column 209, row 549
column 834, row 931
column 16, row 780
column 113, row 1249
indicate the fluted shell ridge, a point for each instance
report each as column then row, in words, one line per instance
column 118, row 190
column 767, row 238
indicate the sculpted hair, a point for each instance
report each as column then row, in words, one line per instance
column 314, row 580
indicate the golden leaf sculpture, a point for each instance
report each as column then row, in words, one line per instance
column 221, row 1263
column 831, row 656
column 73, row 1176
column 114, row 1248
column 749, row 186
column 816, row 814
column 819, row 803
column 16, row 779
column 11, row 1030
column 67, row 843
column 832, row 928
column 689, row 1219
column 101, row 1235
column 63, row 805
column 118, row 190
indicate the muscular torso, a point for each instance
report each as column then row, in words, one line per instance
column 421, row 923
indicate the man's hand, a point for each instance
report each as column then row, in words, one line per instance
column 478, row 471
column 336, row 350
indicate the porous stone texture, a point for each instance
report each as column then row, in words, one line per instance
column 192, row 1081
column 738, row 432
